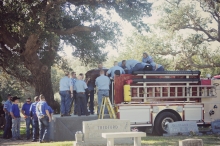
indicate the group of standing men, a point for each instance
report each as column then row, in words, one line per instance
column 38, row 114
column 81, row 92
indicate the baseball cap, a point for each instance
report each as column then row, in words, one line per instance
column 15, row 98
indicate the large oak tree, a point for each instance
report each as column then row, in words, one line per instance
column 201, row 19
column 32, row 32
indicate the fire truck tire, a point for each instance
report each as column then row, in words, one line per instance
column 162, row 120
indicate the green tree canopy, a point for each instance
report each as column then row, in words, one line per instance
column 33, row 31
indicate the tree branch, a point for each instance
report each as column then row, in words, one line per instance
column 75, row 30
column 200, row 29
column 214, row 14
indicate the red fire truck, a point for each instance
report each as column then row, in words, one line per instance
column 151, row 99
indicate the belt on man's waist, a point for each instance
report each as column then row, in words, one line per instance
column 65, row 91
column 80, row 92
column 103, row 89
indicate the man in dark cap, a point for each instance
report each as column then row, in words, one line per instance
column 16, row 119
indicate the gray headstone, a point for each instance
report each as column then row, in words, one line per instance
column 92, row 131
column 191, row 142
column 182, row 127
column 216, row 126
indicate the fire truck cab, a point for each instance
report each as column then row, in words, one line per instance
column 151, row 99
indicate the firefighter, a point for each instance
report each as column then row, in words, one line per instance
column 113, row 69
column 66, row 94
column 147, row 59
column 102, row 83
column 80, row 87
column 133, row 65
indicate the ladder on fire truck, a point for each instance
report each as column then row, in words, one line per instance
column 172, row 85
column 106, row 102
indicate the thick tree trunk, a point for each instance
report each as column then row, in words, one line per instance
column 40, row 70
column 43, row 85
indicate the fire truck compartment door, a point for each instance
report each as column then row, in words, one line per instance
column 193, row 112
column 136, row 114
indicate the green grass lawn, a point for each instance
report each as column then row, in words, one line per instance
column 208, row 140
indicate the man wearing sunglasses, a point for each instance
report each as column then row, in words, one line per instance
column 26, row 113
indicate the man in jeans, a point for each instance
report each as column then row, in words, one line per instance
column 66, row 94
column 80, row 87
column 7, row 108
column 42, row 110
column 73, row 81
column 90, row 95
column 34, row 118
column 26, row 113
column 102, row 83
column 16, row 119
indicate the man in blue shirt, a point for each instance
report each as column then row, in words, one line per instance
column 80, row 88
column 26, row 112
column 122, row 64
column 66, row 93
column 113, row 69
column 7, row 108
column 34, row 118
column 90, row 94
column 133, row 65
column 102, row 83
column 73, row 81
column 16, row 119
column 43, row 114
column 147, row 59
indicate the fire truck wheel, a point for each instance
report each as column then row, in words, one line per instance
column 162, row 120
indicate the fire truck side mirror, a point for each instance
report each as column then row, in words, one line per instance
column 215, row 106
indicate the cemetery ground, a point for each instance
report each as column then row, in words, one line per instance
column 209, row 140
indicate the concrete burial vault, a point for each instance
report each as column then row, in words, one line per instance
column 64, row 128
